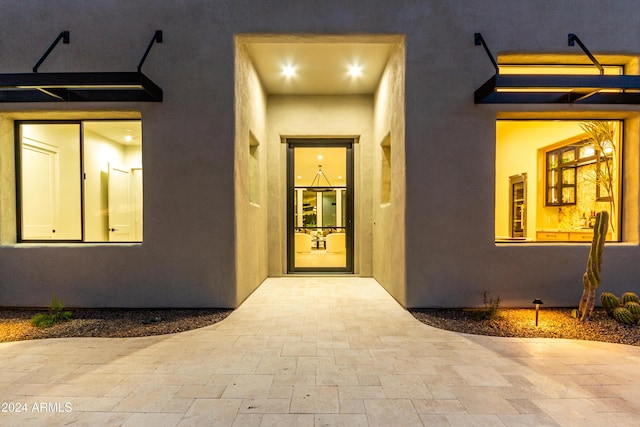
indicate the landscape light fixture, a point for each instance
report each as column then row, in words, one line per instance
column 537, row 302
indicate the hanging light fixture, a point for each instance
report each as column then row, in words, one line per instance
column 316, row 184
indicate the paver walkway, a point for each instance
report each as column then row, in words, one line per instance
column 319, row 352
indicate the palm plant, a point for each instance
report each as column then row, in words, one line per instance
column 601, row 134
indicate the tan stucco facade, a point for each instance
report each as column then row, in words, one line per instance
column 214, row 228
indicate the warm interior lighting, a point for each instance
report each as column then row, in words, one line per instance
column 289, row 71
column 355, row 70
column 320, row 157
column 128, row 138
column 576, row 70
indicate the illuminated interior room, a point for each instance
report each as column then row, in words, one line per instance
column 553, row 176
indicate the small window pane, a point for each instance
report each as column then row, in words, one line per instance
column 50, row 182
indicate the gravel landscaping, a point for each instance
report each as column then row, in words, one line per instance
column 552, row 323
column 15, row 325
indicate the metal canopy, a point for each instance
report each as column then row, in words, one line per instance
column 78, row 87
column 550, row 89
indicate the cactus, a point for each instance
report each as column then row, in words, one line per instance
column 609, row 302
column 629, row 297
column 634, row 309
column 591, row 278
column 623, row 315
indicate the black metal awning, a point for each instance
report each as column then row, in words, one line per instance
column 80, row 86
column 550, row 89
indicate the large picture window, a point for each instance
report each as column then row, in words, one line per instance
column 80, row 181
column 572, row 169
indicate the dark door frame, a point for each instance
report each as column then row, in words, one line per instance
column 292, row 144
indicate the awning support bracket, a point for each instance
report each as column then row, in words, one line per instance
column 157, row 38
column 573, row 38
column 479, row 41
column 558, row 88
column 64, row 36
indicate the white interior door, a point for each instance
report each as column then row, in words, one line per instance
column 120, row 210
column 40, row 192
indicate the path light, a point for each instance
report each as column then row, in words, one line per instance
column 537, row 302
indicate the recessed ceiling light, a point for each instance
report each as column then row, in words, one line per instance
column 340, row 177
column 299, row 177
column 355, row 70
column 320, row 157
column 128, row 138
column 289, row 70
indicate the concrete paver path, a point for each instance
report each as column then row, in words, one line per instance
column 319, row 352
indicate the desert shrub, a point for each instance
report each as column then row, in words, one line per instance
column 491, row 308
column 56, row 314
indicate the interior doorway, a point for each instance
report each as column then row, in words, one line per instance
column 320, row 205
column 517, row 205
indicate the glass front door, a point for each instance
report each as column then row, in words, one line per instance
column 320, row 205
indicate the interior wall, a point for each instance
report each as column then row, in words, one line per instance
column 389, row 217
column 320, row 116
column 517, row 145
column 251, row 218
column 98, row 153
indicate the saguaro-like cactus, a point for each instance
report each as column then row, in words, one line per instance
column 591, row 278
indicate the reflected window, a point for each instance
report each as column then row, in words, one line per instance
column 80, row 181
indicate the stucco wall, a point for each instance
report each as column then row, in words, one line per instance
column 320, row 116
column 251, row 216
column 389, row 215
column 188, row 257
column 450, row 148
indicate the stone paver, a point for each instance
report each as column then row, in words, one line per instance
column 319, row 352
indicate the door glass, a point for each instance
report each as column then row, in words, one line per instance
column 319, row 202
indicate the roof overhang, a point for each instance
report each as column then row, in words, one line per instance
column 549, row 89
column 75, row 87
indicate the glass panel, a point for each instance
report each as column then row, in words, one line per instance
column 309, row 209
column 568, row 156
column 569, row 176
column 319, row 174
column 329, row 209
column 113, row 184
column 587, row 151
column 568, row 195
column 577, row 181
column 50, row 178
